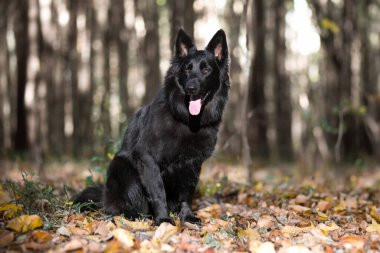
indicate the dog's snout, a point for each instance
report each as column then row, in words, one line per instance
column 192, row 87
column 192, row 90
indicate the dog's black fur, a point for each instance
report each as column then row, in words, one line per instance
column 157, row 168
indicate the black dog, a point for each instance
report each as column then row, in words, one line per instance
column 157, row 168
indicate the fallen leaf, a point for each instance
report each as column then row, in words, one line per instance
column 9, row 210
column 266, row 221
column 41, row 236
column 322, row 216
column 324, row 205
column 63, row 231
column 95, row 247
column 352, row 242
column 124, row 237
column 74, row 244
column 77, row 231
column 25, row 223
column 301, row 199
column 294, row 249
column 121, row 222
column 293, row 230
column 374, row 227
column 303, row 210
column 164, row 232
column 6, row 237
column 249, row 233
column 375, row 213
column 266, row 247
column 326, row 228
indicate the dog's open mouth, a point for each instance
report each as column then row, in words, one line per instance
column 195, row 104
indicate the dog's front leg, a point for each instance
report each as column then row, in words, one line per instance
column 186, row 194
column 151, row 180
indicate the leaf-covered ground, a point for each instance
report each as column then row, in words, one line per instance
column 282, row 211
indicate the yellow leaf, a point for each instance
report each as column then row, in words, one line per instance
column 340, row 208
column 249, row 233
column 69, row 203
column 322, row 216
column 110, row 156
column 326, row 228
column 374, row 227
column 25, row 223
column 124, row 237
column 375, row 213
column 9, row 210
column 328, row 24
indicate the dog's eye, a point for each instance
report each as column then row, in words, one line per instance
column 205, row 71
column 188, row 68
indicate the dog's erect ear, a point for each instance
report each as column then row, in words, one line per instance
column 218, row 45
column 183, row 44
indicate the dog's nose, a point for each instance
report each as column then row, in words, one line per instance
column 191, row 89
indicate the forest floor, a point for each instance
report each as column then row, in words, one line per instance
column 283, row 210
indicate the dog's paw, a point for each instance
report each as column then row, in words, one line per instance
column 160, row 220
column 190, row 218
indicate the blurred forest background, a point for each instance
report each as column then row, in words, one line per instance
column 305, row 79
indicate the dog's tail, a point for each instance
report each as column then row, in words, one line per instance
column 90, row 198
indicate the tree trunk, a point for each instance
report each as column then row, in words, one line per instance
column 230, row 132
column 3, row 48
column 91, row 27
column 21, row 24
column 105, row 103
column 73, row 62
column 282, row 92
column 182, row 16
column 121, row 39
column 56, row 94
column 257, row 114
column 152, row 74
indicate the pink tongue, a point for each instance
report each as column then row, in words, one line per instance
column 195, row 107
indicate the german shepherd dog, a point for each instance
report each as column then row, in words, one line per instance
column 157, row 167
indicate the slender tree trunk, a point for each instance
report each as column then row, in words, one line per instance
column 282, row 92
column 21, row 24
column 369, row 129
column 104, row 107
column 230, row 134
column 91, row 26
column 3, row 48
column 73, row 62
column 121, row 39
column 152, row 74
column 56, row 92
column 257, row 114
column 182, row 16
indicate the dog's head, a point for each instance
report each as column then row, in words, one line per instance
column 199, row 71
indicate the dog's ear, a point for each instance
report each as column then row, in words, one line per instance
column 218, row 45
column 183, row 44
